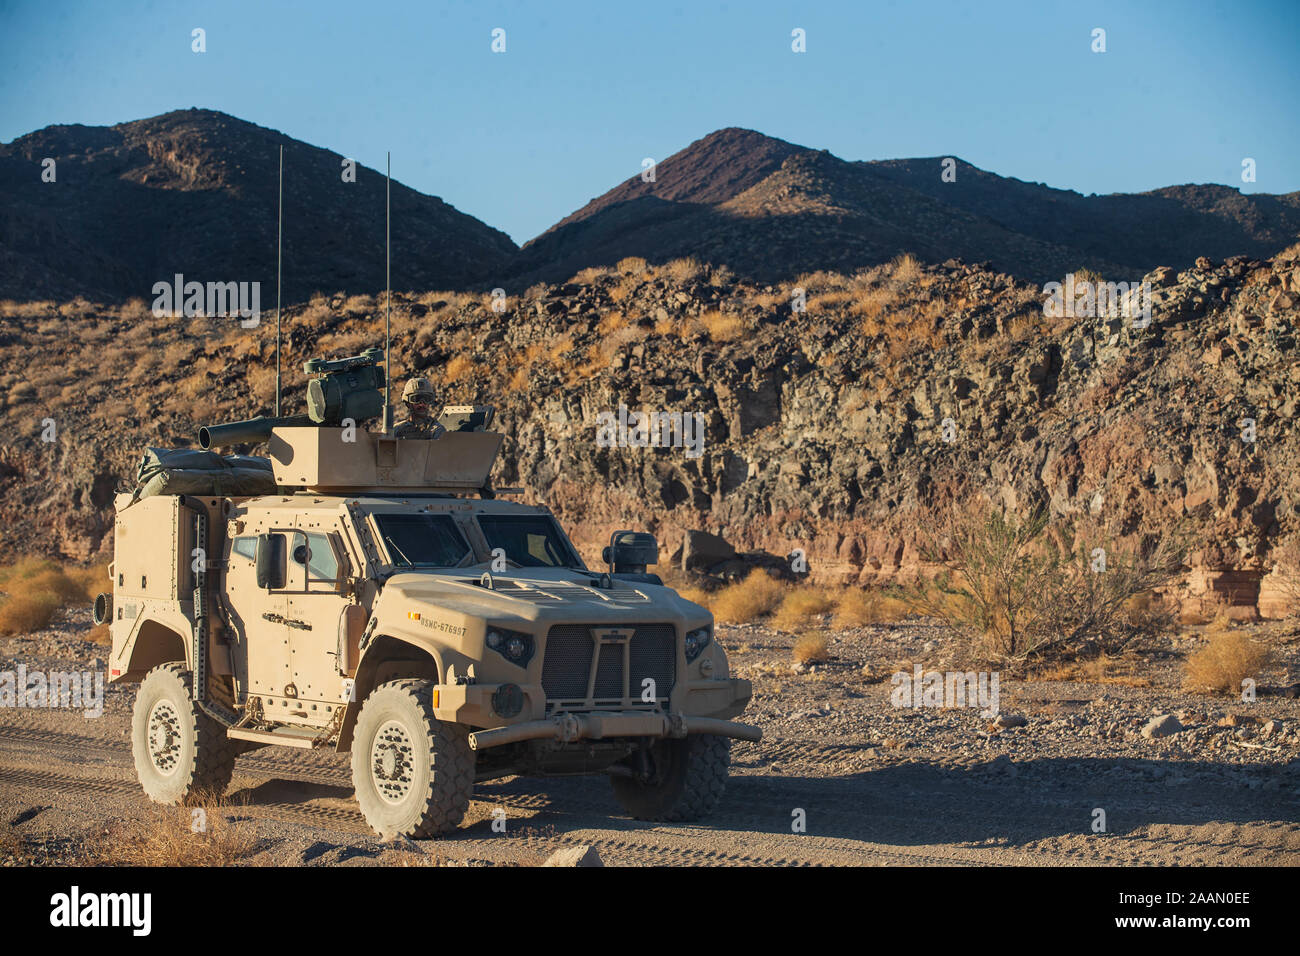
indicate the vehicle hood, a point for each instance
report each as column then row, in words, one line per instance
column 539, row 594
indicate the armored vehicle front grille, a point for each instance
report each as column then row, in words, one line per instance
column 566, row 662
column 572, row 650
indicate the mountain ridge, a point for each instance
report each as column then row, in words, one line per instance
column 194, row 191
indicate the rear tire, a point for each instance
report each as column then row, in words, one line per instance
column 412, row 772
column 689, row 778
column 180, row 752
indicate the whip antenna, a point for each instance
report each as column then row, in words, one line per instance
column 279, row 245
column 388, row 295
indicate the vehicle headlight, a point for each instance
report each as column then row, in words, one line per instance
column 515, row 646
column 696, row 641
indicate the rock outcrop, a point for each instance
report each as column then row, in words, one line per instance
column 842, row 431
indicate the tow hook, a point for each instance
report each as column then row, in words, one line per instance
column 570, row 729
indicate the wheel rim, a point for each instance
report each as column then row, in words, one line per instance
column 392, row 763
column 164, row 738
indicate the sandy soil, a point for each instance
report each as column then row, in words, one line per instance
column 876, row 784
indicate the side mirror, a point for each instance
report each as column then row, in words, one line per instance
column 270, row 561
column 631, row 551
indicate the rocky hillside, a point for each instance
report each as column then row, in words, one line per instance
column 822, row 430
column 771, row 210
column 194, row 192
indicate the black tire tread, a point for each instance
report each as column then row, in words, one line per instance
column 447, row 793
column 213, row 766
column 690, row 796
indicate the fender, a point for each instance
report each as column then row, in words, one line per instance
column 388, row 656
column 160, row 634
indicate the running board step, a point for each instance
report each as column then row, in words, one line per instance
column 284, row 736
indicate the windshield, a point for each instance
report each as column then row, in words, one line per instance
column 529, row 540
column 422, row 540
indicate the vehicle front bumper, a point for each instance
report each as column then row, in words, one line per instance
column 697, row 707
column 600, row 725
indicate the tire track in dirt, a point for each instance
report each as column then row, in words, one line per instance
column 651, row 846
column 846, row 815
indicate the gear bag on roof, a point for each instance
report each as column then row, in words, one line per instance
column 189, row 471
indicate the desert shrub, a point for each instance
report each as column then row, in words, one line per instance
column 999, row 572
column 1226, row 660
column 1287, row 570
column 742, row 602
column 801, row 605
column 1015, row 586
column 810, row 648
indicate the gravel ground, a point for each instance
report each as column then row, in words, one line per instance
column 842, row 777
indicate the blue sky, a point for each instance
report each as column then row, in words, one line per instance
column 585, row 91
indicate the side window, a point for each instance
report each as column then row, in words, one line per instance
column 312, row 560
column 322, row 562
column 246, row 548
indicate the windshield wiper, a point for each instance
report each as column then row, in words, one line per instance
column 400, row 553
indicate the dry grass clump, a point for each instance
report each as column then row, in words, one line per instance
column 682, row 269
column 1122, row 670
column 811, row 648
column 26, row 613
column 611, row 322
column 800, row 606
column 37, row 587
column 829, row 301
column 600, row 356
column 524, row 369
column 458, row 368
column 590, row 274
column 631, row 265
column 759, row 594
column 358, row 305
column 1229, row 658
column 10, row 309
column 858, row 607
column 722, row 328
column 905, row 268
column 197, row 835
column 683, row 328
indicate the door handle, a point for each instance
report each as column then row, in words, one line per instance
column 287, row 622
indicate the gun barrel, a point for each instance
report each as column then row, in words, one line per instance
column 251, row 430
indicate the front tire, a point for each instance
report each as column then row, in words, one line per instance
column 687, row 779
column 180, row 752
column 412, row 772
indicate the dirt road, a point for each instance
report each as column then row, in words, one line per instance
column 871, row 785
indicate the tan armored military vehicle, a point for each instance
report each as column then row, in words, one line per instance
column 367, row 593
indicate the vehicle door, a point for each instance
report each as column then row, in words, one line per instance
column 262, row 653
column 324, row 624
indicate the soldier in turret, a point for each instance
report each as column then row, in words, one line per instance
column 419, row 422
